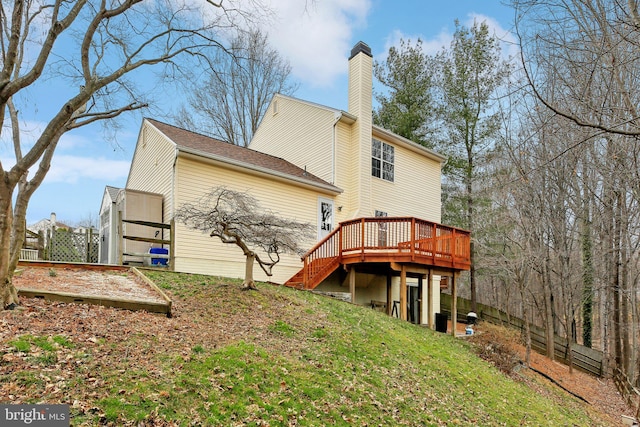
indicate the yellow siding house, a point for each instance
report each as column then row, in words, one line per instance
column 183, row 165
column 373, row 196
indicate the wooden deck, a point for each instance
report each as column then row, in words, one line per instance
column 399, row 240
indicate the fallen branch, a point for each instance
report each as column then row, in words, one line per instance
column 559, row 385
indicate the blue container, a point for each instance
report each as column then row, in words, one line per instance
column 159, row 261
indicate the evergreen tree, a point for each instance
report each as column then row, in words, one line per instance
column 407, row 108
column 472, row 71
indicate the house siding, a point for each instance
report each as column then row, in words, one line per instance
column 152, row 167
column 301, row 133
column 196, row 252
column 107, row 248
column 347, row 173
column 415, row 190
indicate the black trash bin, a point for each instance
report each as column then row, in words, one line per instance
column 441, row 322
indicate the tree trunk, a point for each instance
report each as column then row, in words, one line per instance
column 525, row 318
column 549, row 311
column 470, row 225
column 248, row 283
column 625, row 287
column 7, row 290
column 587, row 283
column 569, row 356
column 617, row 315
column 527, row 343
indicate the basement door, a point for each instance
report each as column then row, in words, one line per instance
column 413, row 304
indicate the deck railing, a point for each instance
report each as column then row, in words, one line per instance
column 403, row 239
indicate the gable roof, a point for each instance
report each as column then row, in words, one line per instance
column 45, row 224
column 205, row 146
column 112, row 192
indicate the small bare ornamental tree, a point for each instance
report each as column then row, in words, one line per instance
column 237, row 218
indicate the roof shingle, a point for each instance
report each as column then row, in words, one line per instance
column 220, row 150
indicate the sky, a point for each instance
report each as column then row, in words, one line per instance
column 316, row 38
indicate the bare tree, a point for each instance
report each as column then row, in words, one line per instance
column 582, row 63
column 588, row 50
column 237, row 218
column 94, row 47
column 89, row 220
column 230, row 101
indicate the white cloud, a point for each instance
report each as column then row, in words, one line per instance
column 429, row 46
column 31, row 131
column 72, row 169
column 316, row 36
column 433, row 45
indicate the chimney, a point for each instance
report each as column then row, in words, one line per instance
column 53, row 220
column 361, row 105
column 360, row 81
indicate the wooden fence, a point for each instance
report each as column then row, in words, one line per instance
column 151, row 240
column 583, row 358
column 33, row 246
column 630, row 393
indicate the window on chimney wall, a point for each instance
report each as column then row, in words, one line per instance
column 382, row 160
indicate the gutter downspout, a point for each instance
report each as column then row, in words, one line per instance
column 334, row 137
column 172, row 214
column 173, row 182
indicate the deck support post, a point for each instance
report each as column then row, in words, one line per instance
column 454, row 305
column 352, row 284
column 430, row 291
column 420, row 298
column 389, row 298
column 403, row 293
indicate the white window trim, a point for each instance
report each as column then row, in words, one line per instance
column 382, row 161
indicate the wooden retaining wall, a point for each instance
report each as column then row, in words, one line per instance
column 584, row 358
column 163, row 307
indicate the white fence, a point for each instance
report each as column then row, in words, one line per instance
column 28, row 255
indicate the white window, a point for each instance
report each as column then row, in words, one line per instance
column 382, row 160
column 325, row 217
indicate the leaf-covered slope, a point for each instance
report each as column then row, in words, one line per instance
column 272, row 357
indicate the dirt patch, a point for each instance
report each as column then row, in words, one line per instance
column 118, row 284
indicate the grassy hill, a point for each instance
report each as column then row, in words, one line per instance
column 272, row 357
